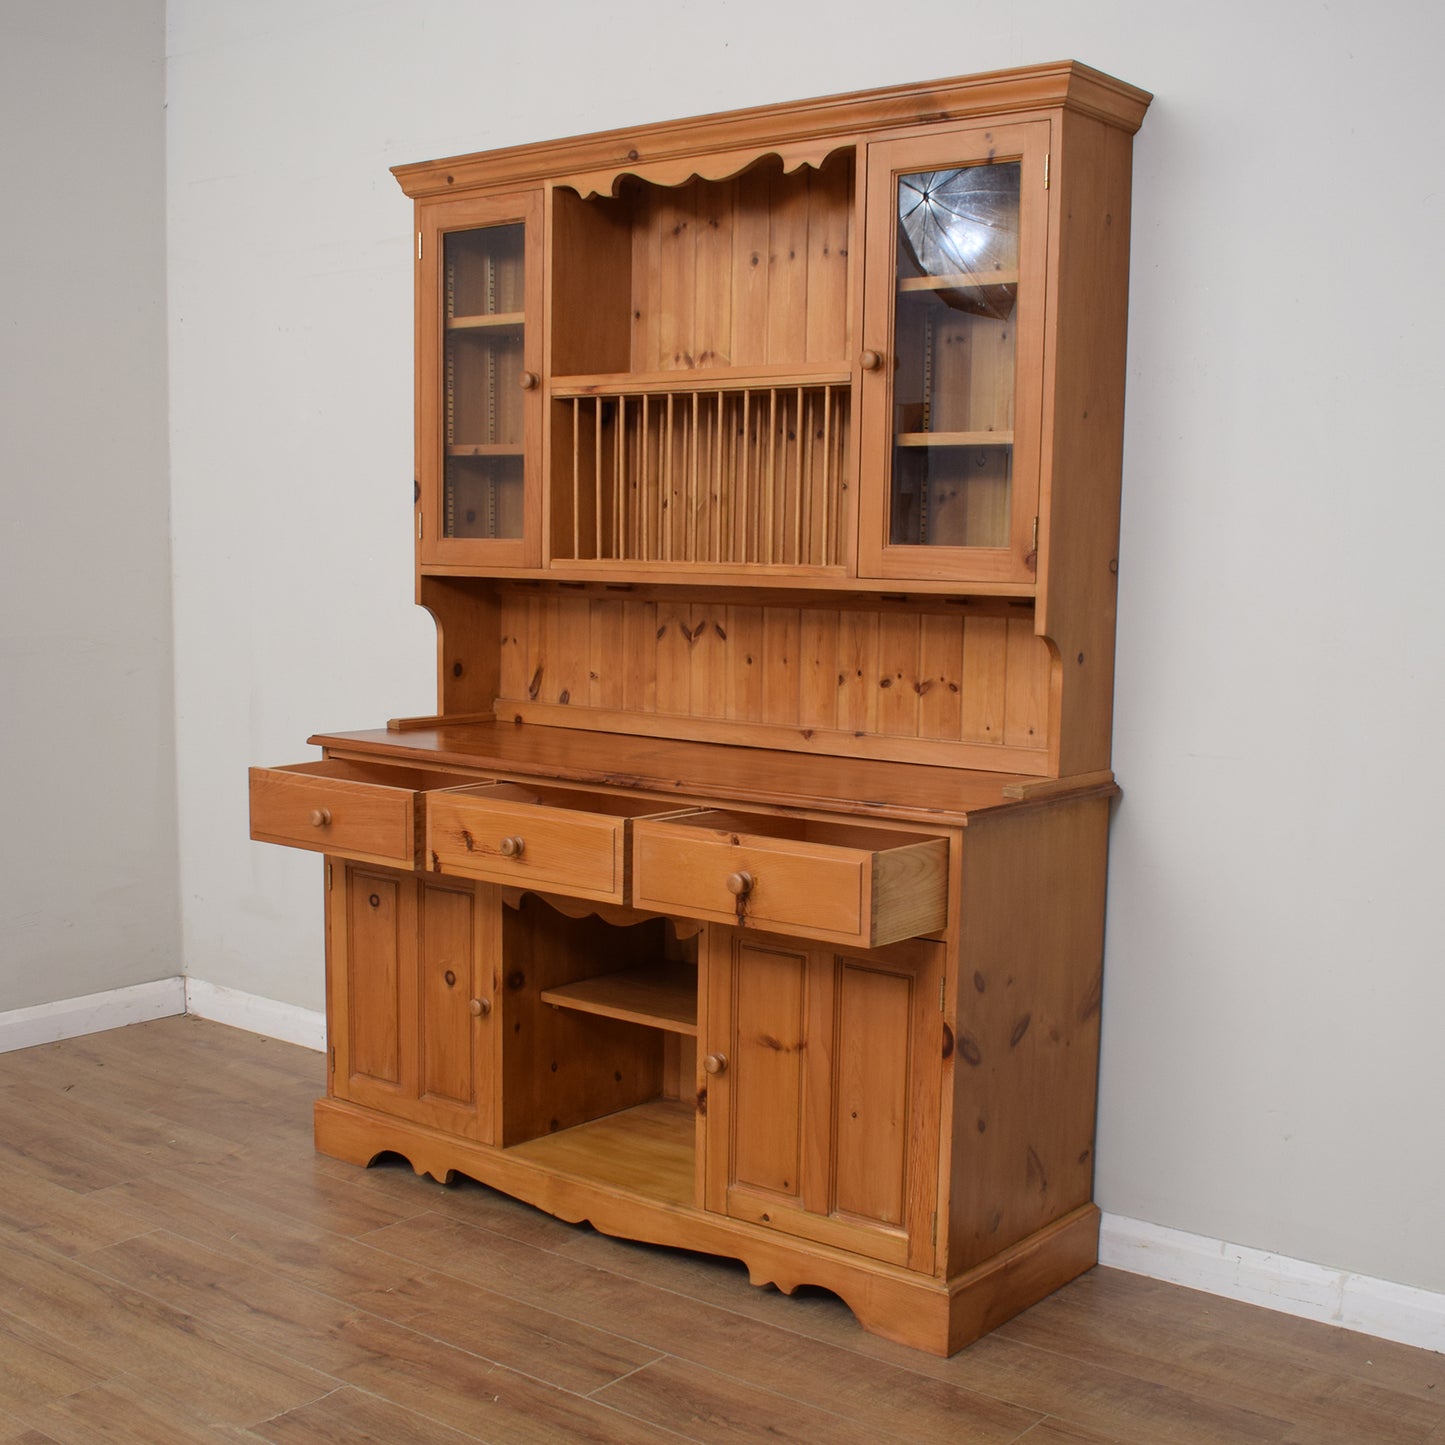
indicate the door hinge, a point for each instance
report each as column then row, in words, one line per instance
column 933, row 1233
column 328, row 878
column 942, row 989
column 333, row 1070
column 1046, row 186
column 418, row 240
column 418, row 526
column 1035, row 546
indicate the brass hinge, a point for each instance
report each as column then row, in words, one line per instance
column 328, row 878
column 333, row 1070
column 1046, row 186
column 1035, row 546
column 418, row 239
column 418, row 526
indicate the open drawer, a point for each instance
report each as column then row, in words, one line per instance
column 374, row 812
column 836, row 882
column 555, row 839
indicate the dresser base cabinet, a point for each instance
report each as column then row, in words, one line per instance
column 909, row 1126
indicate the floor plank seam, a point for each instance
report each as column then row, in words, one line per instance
column 510, row 1370
column 784, row 1328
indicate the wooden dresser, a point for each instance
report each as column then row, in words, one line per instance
column 746, row 891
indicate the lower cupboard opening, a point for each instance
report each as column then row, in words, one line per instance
column 599, row 1046
column 646, row 1150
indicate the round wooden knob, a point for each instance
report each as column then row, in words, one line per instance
column 715, row 1063
column 871, row 360
column 529, row 380
column 740, row 883
column 480, row 1007
column 320, row 817
column 512, row 847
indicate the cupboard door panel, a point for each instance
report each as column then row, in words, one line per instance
column 371, row 943
column 479, row 398
column 768, row 1035
column 952, row 414
column 445, row 1055
column 822, row 1075
column 870, row 1097
column 411, row 998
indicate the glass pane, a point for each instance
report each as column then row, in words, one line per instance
column 951, row 496
column 483, row 496
column 481, row 383
column 953, row 387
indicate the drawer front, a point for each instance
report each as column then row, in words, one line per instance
column 866, row 896
column 352, row 819
column 528, row 845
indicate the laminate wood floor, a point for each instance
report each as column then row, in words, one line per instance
column 177, row 1264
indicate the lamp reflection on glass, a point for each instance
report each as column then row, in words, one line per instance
column 964, row 223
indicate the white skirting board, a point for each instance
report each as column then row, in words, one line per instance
column 1332, row 1296
column 291, row 1024
column 24, row 1028
column 69, row 1018
column 1359, row 1302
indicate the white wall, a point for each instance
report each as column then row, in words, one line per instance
column 88, row 897
column 1272, row 1060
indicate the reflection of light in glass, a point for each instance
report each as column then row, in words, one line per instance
column 962, row 222
column 965, row 240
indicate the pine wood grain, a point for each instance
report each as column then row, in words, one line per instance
column 691, row 771
column 232, row 1285
column 820, row 671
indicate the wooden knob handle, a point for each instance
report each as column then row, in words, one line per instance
column 871, row 360
column 320, row 817
column 512, row 847
column 740, row 883
column 529, row 380
column 715, row 1063
column 480, row 1007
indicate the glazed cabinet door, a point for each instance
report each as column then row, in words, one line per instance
column 411, row 988
column 479, row 394
column 822, row 1077
column 952, row 393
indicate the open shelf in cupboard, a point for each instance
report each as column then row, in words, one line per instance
column 662, row 997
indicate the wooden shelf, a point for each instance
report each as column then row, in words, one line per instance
column 960, row 281
column 502, row 320
column 662, row 996
column 484, row 449
column 715, row 378
column 955, row 439
column 645, row 1150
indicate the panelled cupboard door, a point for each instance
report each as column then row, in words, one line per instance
column 411, row 998
column 479, row 393
column 952, row 393
column 822, row 1071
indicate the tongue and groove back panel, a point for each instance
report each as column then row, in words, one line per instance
column 944, row 687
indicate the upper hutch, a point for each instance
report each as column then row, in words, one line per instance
column 745, row 891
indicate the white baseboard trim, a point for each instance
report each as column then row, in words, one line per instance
column 92, row 1013
column 1376, row 1307
column 257, row 1015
